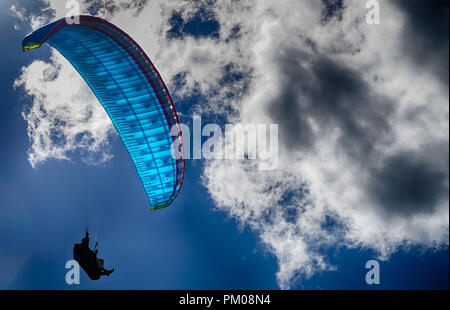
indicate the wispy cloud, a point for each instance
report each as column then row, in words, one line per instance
column 64, row 116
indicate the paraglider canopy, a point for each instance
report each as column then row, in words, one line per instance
column 131, row 90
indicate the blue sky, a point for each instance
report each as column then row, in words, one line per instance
column 190, row 245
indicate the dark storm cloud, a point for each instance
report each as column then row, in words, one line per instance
column 317, row 89
column 405, row 185
column 425, row 38
column 332, row 8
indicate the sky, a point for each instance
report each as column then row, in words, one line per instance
column 362, row 112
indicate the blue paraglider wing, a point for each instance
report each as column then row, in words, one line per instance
column 133, row 94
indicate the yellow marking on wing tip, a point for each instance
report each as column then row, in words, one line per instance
column 160, row 207
column 31, row 46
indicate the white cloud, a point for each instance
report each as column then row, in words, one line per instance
column 289, row 207
column 24, row 16
column 17, row 12
column 65, row 116
column 338, row 185
column 37, row 22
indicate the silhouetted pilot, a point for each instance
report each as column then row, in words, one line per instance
column 88, row 260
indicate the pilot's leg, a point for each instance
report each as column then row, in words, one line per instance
column 108, row 272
